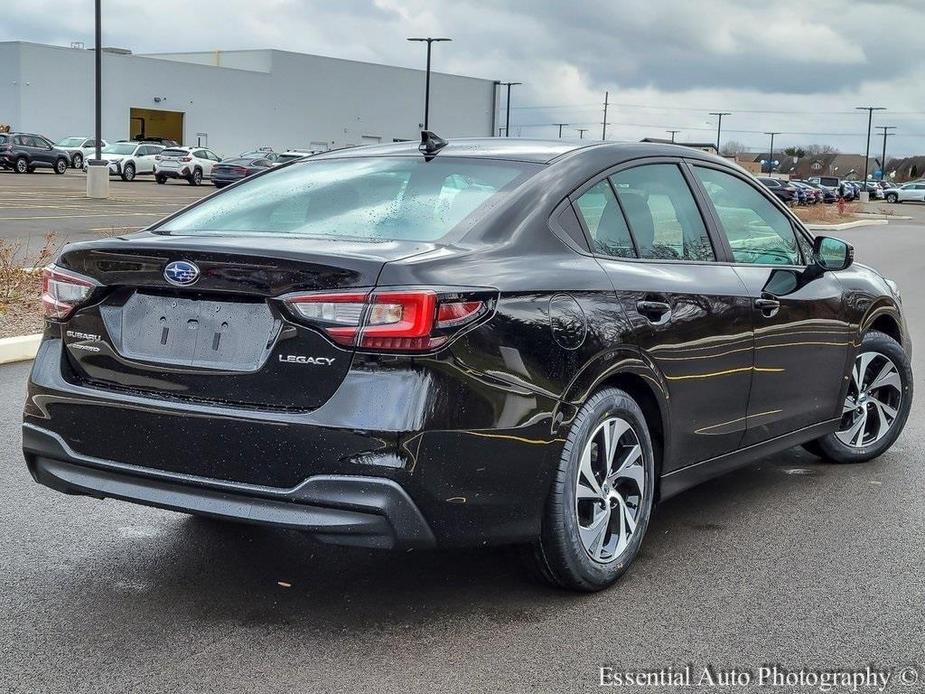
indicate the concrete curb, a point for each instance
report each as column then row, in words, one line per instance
column 846, row 225
column 20, row 348
column 875, row 215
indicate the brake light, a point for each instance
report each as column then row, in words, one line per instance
column 414, row 320
column 63, row 291
column 186, row 159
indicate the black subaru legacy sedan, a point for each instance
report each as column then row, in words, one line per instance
column 480, row 341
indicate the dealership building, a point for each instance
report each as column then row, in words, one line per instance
column 233, row 101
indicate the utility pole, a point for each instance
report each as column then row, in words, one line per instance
column 673, row 133
column 561, row 125
column 429, row 40
column 507, row 122
column 604, row 124
column 97, row 169
column 771, row 154
column 885, row 129
column 581, row 133
column 719, row 125
column 865, row 194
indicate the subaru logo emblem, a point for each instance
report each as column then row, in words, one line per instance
column 181, row 273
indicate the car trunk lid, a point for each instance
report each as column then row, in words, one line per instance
column 224, row 337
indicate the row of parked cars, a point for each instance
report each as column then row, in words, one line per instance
column 158, row 157
column 829, row 189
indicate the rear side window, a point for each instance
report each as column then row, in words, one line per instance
column 396, row 198
column 604, row 221
column 757, row 231
column 662, row 213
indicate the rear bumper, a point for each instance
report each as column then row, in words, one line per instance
column 476, row 461
column 338, row 509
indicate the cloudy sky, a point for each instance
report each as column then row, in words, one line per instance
column 799, row 68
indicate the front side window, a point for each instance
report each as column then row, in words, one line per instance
column 395, row 198
column 662, row 213
column 605, row 223
column 757, row 231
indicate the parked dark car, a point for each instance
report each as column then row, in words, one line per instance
column 231, row 170
column 810, row 196
column 828, row 194
column 784, row 191
column 26, row 152
column 487, row 341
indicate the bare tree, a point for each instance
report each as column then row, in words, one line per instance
column 732, row 147
column 813, row 150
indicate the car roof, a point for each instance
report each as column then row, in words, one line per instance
column 528, row 150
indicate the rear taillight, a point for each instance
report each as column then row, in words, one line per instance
column 412, row 320
column 63, row 291
column 157, row 157
column 186, row 159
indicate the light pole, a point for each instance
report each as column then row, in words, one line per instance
column 97, row 169
column 719, row 125
column 581, row 133
column 561, row 125
column 771, row 153
column 885, row 129
column 507, row 119
column 865, row 195
column 429, row 41
column 673, row 133
column 604, row 122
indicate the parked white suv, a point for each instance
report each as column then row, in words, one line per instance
column 190, row 163
column 130, row 159
column 79, row 148
column 914, row 191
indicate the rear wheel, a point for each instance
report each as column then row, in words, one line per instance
column 599, row 506
column 22, row 166
column 876, row 406
column 161, row 179
column 128, row 173
column 196, row 178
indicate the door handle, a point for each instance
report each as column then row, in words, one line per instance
column 768, row 307
column 655, row 311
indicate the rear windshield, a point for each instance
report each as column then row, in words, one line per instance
column 374, row 197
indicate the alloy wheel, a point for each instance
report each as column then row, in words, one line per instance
column 873, row 400
column 609, row 490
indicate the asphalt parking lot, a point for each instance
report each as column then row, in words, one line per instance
column 42, row 203
column 791, row 561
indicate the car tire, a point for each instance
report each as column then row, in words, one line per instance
column 128, row 173
column 592, row 531
column 161, row 179
column 873, row 415
column 22, row 166
column 61, row 166
column 78, row 161
column 892, row 197
column 195, row 178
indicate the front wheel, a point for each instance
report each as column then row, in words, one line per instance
column 61, row 166
column 78, row 161
column 161, row 179
column 601, row 499
column 128, row 173
column 876, row 406
column 892, row 197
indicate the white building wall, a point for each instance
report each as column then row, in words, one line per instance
column 284, row 100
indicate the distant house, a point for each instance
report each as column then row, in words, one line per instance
column 905, row 169
column 702, row 146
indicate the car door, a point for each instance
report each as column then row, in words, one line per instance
column 33, row 148
column 690, row 315
column 802, row 337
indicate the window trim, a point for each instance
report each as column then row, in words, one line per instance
column 795, row 224
column 716, row 239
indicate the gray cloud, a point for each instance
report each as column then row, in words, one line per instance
column 681, row 58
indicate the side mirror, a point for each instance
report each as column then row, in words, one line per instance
column 832, row 254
